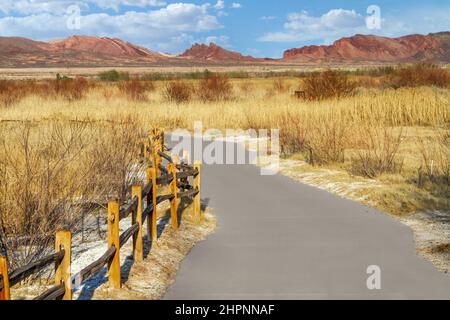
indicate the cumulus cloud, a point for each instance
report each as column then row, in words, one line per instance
column 27, row 7
column 303, row 26
column 167, row 28
column 220, row 5
column 223, row 41
column 236, row 5
column 337, row 23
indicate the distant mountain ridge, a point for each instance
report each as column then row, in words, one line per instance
column 104, row 51
column 369, row 48
column 213, row 52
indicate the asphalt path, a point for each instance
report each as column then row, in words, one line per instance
column 281, row 239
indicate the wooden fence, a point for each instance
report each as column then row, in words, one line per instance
column 142, row 208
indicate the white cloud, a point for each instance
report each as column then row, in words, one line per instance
column 165, row 29
column 236, row 5
column 338, row 23
column 56, row 7
column 301, row 26
column 220, row 5
column 332, row 20
column 219, row 40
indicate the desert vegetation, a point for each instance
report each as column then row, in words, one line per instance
column 68, row 139
column 54, row 172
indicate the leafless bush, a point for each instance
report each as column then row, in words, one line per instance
column 215, row 88
column 40, row 178
column 420, row 74
column 178, row 91
column 50, row 174
column 69, row 89
column 292, row 133
column 9, row 93
column 136, row 89
column 116, row 160
column 379, row 153
column 326, row 85
column 435, row 155
column 326, row 141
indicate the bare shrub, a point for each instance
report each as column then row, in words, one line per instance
column 379, row 153
column 40, row 179
column 117, row 158
column 420, row 74
column 326, row 141
column 69, row 89
column 327, row 85
column 292, row 133
column 9, row 93
column 53, row 173
column 215, row 88
column 435, row 154
column 136, row 89
column 178, row 91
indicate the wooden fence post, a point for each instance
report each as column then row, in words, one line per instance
column 146, row 154
column 136, row 191
column 113, row 240
column 4, row 293
column 157, row 162
column 63, row 240
column 172, row 169
column 197, row 185
column 154, row 227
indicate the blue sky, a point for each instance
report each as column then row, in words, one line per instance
column 259, row 28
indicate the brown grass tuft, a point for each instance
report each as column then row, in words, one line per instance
column 281, row 86
column 9, row 93
column 215, row 88
column 178, row 91
column 379, row 153
column 420, row 74
column 327, row 85
column 69, row 89
column 136, row 89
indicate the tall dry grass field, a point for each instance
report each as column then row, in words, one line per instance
column 71, row 140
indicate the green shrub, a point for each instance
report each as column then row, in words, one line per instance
column 113, row 75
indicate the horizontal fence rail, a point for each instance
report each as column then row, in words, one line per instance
column 142, row 208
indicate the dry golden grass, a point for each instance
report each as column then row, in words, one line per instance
column 53, row 172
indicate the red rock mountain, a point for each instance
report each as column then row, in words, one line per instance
column 106, row 46
column 94, row 51
column 214, row 53
column 368, row 48
column 74, row 51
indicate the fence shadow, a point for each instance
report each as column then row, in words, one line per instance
column 91, row 285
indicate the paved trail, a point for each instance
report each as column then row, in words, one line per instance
column 280, row 239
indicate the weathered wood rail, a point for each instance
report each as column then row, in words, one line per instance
column 142, row 207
